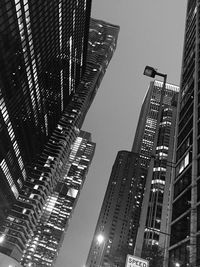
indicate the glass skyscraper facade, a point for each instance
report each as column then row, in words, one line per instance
column 43, row 49
column 42, row 117
column 184, row 246
column 42, row 52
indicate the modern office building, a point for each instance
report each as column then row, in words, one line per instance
column 117, row 225
column 185, row 220
column 137, row 196
column 43, row 53
column 43, row 48
column 43, row 248
column 154, row 141
column 150, row 120
column 32, row 169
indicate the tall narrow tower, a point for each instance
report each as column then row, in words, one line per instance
column 154, row 141
column 117, row 225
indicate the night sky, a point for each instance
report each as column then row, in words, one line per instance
column 151, row 33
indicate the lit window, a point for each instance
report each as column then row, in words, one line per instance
column 24, row 211
column 158, row 169
column 158, row 181
column 183, row 164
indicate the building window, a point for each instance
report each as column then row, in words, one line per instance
column 183, row 164
column 181, row 205
column 180, row 230
column 183, row 182
column 180, row 255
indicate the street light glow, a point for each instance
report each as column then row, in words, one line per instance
column 100, row 238
column 177, row 264
column 2, row 238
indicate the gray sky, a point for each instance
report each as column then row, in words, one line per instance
column 151, row 33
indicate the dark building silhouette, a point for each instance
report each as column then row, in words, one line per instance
column 120, row 212
column 184, row 246
column 101, row 47
column 43, row 120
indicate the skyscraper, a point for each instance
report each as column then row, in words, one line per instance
column 149, row 122
column 43, row 247
column 119, row 215
column 43, row 54
column 66, row 86
column 137, row 196
column 101, row 47
column 154, row 141
column 185, row 219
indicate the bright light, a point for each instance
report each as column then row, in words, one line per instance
column 100, row 238
column 177, row 264
column 2, row 238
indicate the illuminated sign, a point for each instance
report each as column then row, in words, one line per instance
column 133, row 261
